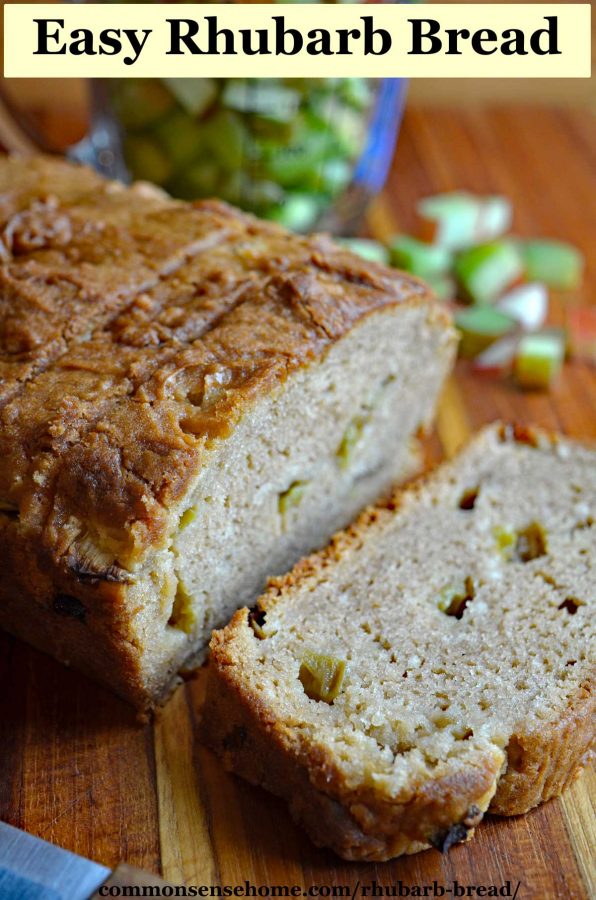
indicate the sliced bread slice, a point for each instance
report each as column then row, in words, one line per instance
column 435, row 661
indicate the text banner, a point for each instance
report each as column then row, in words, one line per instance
column 487, row 40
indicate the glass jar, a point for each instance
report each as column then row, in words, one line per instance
column 303, row 152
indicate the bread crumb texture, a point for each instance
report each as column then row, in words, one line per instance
column 463, row 614
column 190, row 400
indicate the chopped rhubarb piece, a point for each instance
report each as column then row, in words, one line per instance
column 480, row 327
column 451, row 218
column 443, row 286
column 539, row 359
column 498, row 358
column 555, row 263
column 458, row 220
column 425, row 260
column 527, row 304
column 486, row 271
column 561, row 334
column 373, row 251
column 195, row 95
column 495, row 217
column 581, row 324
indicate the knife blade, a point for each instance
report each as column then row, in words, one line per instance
column 33, row 869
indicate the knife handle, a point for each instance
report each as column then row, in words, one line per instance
column 128, row 876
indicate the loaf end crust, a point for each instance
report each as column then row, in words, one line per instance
column 535, row 766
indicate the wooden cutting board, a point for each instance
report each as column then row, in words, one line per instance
column 75, row 767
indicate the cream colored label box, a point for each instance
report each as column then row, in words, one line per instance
column 146, row 37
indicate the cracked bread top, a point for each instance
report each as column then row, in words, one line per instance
column 134, row 329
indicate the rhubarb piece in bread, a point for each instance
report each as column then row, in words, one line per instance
column 435, row 661
column 190, row 400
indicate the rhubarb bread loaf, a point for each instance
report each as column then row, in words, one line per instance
column 190, row 399
column 436, row 661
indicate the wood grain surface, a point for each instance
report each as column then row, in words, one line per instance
column 78, row 770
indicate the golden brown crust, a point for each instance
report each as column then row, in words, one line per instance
column 99, row 434
column 87, row 628
column 544, row 760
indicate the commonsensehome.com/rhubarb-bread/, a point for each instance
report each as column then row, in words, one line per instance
column 190, row 400
column 435, row 661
